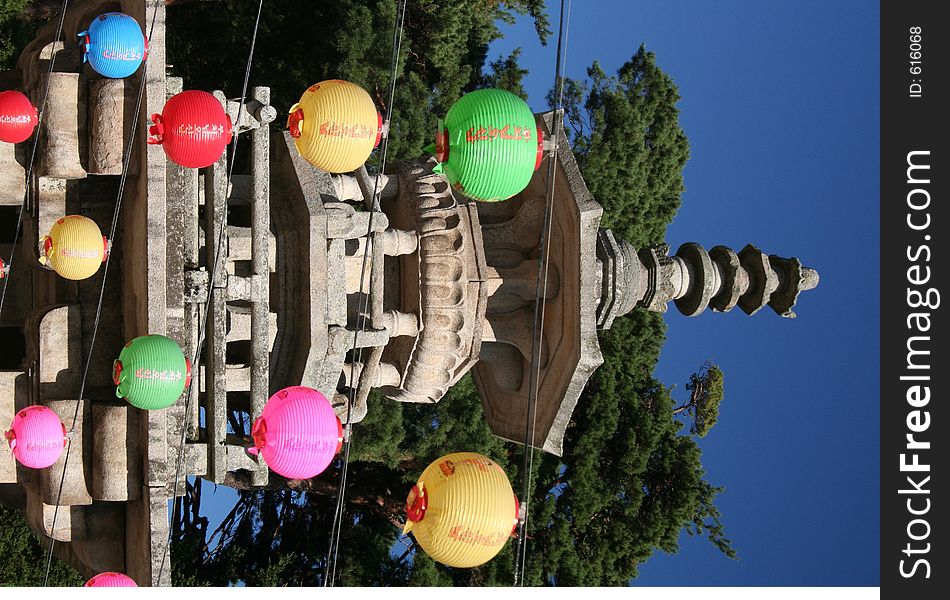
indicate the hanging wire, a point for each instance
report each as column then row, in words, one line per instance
column 329, row 576
column 36, row 139
column 214, row 272
column 102, row 289
column 540, row 297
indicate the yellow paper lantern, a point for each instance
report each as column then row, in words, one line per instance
column 75, row 247
column 462, row 510
column 335, row 125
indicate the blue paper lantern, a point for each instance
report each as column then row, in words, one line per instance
column 114, row 45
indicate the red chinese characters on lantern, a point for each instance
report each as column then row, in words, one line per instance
column 79, row 252
column 491, row 133
column 359, row 132
column 467, row 536
column 448, row 467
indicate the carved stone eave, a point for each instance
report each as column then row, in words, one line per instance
column 570, row 352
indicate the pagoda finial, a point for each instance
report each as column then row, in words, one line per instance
column 696, row 279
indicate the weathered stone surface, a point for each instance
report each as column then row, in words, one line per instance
column 10, row 388
column 701, row 279
column 12, row 173
column 302, row 272
column 60, row 363
column 734, row 283
column 111, row 104
column 568, row 352
column 61, row 128
column 215, row 379
column 102, row 547
column 261, row 240
column 75, row 462
column 50, row 206
column 762, row 279
column 116, row 454
column 621, row 284
column 794, row 279
column 70, row 520
column 695, row 279
column 445, row 347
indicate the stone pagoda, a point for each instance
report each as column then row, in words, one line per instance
column 449, row 289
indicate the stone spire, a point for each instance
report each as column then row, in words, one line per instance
column 695, row 279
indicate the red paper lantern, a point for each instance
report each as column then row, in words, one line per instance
column 193, row 129
column 18, row 117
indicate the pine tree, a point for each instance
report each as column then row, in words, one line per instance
column 24, row 561
column 628, row 143
column 445, row 44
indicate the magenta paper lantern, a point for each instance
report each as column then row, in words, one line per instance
column 297, row 434
column 37, row 437
column 111, row 579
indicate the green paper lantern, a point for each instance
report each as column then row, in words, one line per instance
column 489, row 145
column 151, row 372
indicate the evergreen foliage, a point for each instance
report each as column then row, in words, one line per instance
column 445, row 45
column 628, row 143
column 24, row 558
column 16, row 30
column 706, row 393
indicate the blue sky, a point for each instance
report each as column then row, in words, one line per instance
column 780, row 102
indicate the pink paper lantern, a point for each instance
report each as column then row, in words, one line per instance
column 111, row 579
column 37, row 437
column 297, row 434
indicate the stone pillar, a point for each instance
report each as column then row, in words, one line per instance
column 214, row 371
column 59, row 148
column 74, row 489
column 116, row 455
column 69, row 522
column 109, row 100
column 12, row 383
column 12, row 174
column 260, row 249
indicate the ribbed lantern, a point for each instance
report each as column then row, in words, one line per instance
column 193, row 129
column 151, row 372
column 298, row 434
column 37, row 437
column 462, row 510
column 18, row 117
column 111, row 579
column 75, row 247
column 489, row 145
column 114, row 45
column 335, row 125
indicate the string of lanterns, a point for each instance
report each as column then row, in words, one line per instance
column 462, row 509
